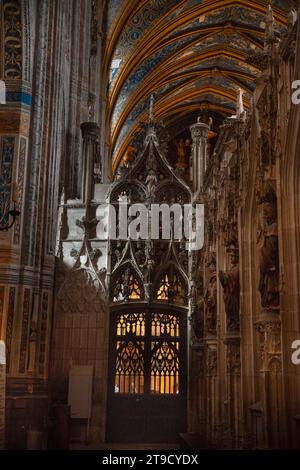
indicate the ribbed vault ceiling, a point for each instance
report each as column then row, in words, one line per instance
column 190, row 53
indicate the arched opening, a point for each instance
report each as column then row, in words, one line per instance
column 147, row 383
column 149, row 292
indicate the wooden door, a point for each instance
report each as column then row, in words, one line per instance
column 147, row 391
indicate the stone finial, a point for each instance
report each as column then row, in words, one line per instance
column 240, row 104
column 270, row 22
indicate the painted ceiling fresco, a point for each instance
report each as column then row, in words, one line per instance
column 189, row 53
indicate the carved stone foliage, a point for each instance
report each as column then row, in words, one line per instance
column 80, row 293
column 268, row 248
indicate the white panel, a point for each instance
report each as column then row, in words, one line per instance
column 80, row 391
column 2, row 392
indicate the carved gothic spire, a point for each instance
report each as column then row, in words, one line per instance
column 151, row 109
column 240, row 111
column 199, row 132
column 270, row 33
column 90, row 135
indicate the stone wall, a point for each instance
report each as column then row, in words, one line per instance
column 46, row 66
column 245, row 380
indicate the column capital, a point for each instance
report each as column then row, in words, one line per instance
column 199, row 130
column 90, row 130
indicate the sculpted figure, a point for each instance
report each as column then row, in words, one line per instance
column 269, row 256
column 32, row 346
column 197, row 317
column 151, row 183
column 231, row 293
column 211, row 300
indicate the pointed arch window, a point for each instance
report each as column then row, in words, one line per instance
column 172, row 288
column 126, row 287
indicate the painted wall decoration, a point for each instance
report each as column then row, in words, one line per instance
column 24, row 331
column 12, row 22
column 138, row 24
column 20, row 187
column 7, row 145
column 9, row 325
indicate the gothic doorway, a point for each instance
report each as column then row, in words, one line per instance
column 147, row 386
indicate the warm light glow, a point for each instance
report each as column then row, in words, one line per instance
column 162, row 293
column 172, row 283
column 163, row 364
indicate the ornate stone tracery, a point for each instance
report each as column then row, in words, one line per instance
column 159, row 265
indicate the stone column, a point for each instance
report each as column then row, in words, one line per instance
column 271, row 392
column 90, row 134
column 233, row 366
column 211, row 390
column 2, row 394
column 199, row 132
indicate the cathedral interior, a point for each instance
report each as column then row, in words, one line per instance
column 144, row 340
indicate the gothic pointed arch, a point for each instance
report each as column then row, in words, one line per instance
column 171, row 286
column 126, row 284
